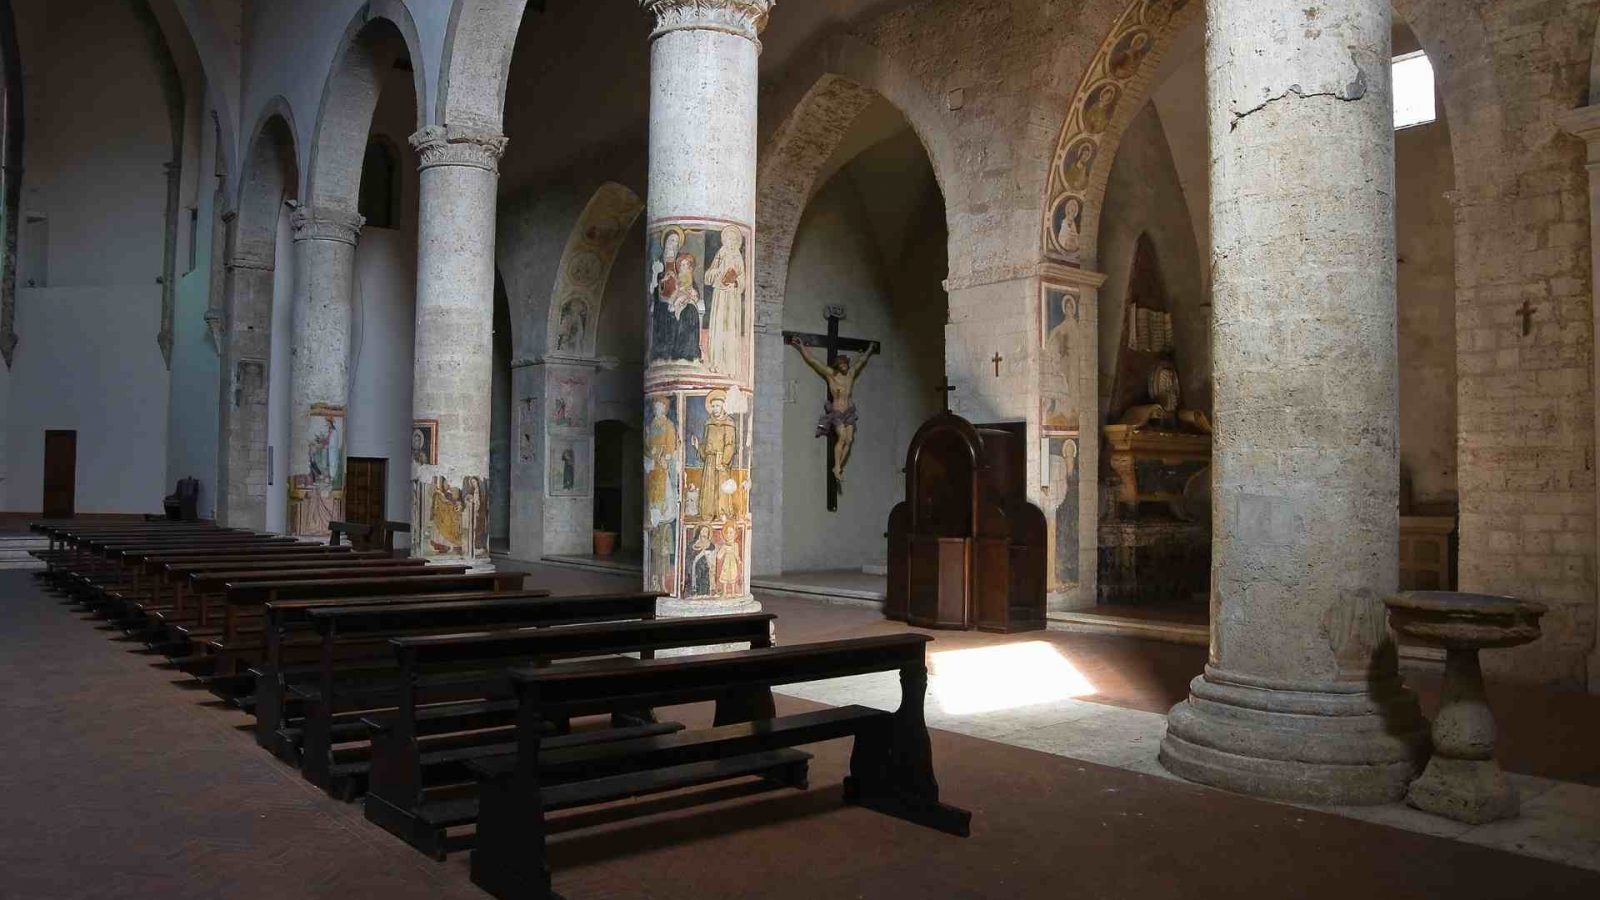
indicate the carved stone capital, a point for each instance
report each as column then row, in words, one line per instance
column 323, row 223
column 745, row 18
column 452, row 145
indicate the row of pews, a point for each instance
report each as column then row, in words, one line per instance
column 463, row 707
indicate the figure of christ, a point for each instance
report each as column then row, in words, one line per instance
column 839, row 413
column 717, row 445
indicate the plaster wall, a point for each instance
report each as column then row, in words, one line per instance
column 116, row 397
column 192, row 416
column 381, row 358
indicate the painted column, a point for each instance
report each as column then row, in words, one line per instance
column 319, row 376
column 1301, row 698
column 454, row 345
column 1585, row 123
column 701, row 353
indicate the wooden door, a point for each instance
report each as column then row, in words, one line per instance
column 60, row 473
column 366, row 489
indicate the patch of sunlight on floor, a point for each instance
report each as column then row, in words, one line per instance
column 1010, row 676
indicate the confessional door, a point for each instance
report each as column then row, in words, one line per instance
column 60, row 473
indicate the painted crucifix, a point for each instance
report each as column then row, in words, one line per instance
column 838, row 420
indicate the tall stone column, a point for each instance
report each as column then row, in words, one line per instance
column 699, row 374
column 319, row 371
column 454, row 344
column 246, row 361
column 1301, row 698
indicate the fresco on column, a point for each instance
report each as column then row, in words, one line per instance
column 316, row 490
column 698, row 386
column 455, row 518
column 663, row 457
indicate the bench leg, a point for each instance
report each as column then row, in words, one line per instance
column 508, row 856
column 891, row 766
column 735, row 707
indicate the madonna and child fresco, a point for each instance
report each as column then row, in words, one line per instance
column 699, row 298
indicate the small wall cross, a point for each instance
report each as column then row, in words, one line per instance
column 1526, row 314
column 946, row 389
column 998, row 359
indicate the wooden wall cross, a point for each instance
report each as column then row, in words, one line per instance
column 998, row 359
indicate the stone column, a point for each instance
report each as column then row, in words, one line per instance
column 246, row 360
column 1301, row 699
column 699, row 376
column 454, row 343
column 319, row 368
column 1585, row 123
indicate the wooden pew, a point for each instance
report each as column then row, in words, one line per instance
column 166, row 591
column 65, row 543
column 450, row 711
column 355, row 668
column 153, row 570
column 891, row 763
column 95, row 561
column 243, row 627
column 199, row 589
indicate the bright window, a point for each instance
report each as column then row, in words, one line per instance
column 1413, row 90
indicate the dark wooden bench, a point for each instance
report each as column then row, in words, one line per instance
column 243, row 627
column 199, row 598
column 146, row 576
column 891, row 763
column 453, row 707
column 355, row 669
column 96, row 562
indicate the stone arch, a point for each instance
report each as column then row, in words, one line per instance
column 848, row 76
column 377, row 36
column 1114, row 86
column 477, row 63
column 585, row 269
column 269, row 178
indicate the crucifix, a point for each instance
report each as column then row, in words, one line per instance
column 838, row 420
column 1526, row 313
column 998, row 359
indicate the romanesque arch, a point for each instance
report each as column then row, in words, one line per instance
column 477, row 62
column 380, row 33
column 270, row 177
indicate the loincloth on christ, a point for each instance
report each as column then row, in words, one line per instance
column 832, row 419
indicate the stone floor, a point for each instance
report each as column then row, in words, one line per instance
column 120, row 781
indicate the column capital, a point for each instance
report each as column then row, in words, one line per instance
column 745, row 18
column 326, row 223
column 453, row 145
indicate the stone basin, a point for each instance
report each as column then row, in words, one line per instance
column 1453, row 620
column 1462, row 781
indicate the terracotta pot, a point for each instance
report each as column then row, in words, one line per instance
column 605, row 543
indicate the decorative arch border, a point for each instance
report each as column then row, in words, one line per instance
column 1114, row 86
column 585, row 269
column 324, row 167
